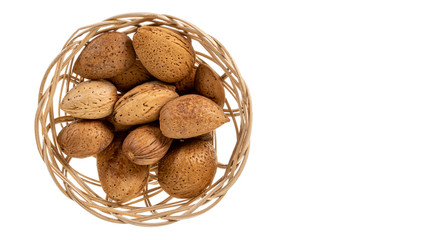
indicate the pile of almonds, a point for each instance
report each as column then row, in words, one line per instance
column 144, row 105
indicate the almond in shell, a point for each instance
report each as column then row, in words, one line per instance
column 146, row 145
column 106, row 56
column 189, row 116
column 209, row 84
column 166, row 54
column 187, row 169
column 92, row 99
column 143, row 103
column 84, row 138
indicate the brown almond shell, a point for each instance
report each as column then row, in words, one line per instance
column 106, row 56
column 209, row 84
column 92, row 99
column 146, row 145
column 84, row 138
column 143, row 103
column 189, row 116
column 166, row 54
column 187, row 169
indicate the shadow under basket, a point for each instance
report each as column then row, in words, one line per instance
column 153, row 207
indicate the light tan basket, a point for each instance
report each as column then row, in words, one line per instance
column 153, row 207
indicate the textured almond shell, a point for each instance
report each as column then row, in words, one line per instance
column 143, row 103
column 132, row 77
column 167, row 55
column 189, row 116
column 106, row 56
column 121, row 179
column 146, row 145
column 187, row 169
column 209, row 84
column 84, row 138
column 92, row 99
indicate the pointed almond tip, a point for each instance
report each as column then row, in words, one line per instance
column 226, row 119
column 61, row 106
column 129, row 155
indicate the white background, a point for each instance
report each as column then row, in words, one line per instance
column 342, row 131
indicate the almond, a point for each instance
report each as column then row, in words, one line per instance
column 187, row 169
column 92, row 99
column 84, row 138
column 143, row 103
column 146, row 145
column 167, row 55
column 106, row 56
column 189, row 116
column 209, row 84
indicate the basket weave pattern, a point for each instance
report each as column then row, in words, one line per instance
column 152, row 208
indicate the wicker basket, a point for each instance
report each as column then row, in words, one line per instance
column 153, row 207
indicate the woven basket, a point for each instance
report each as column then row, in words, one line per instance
column 153, row 207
